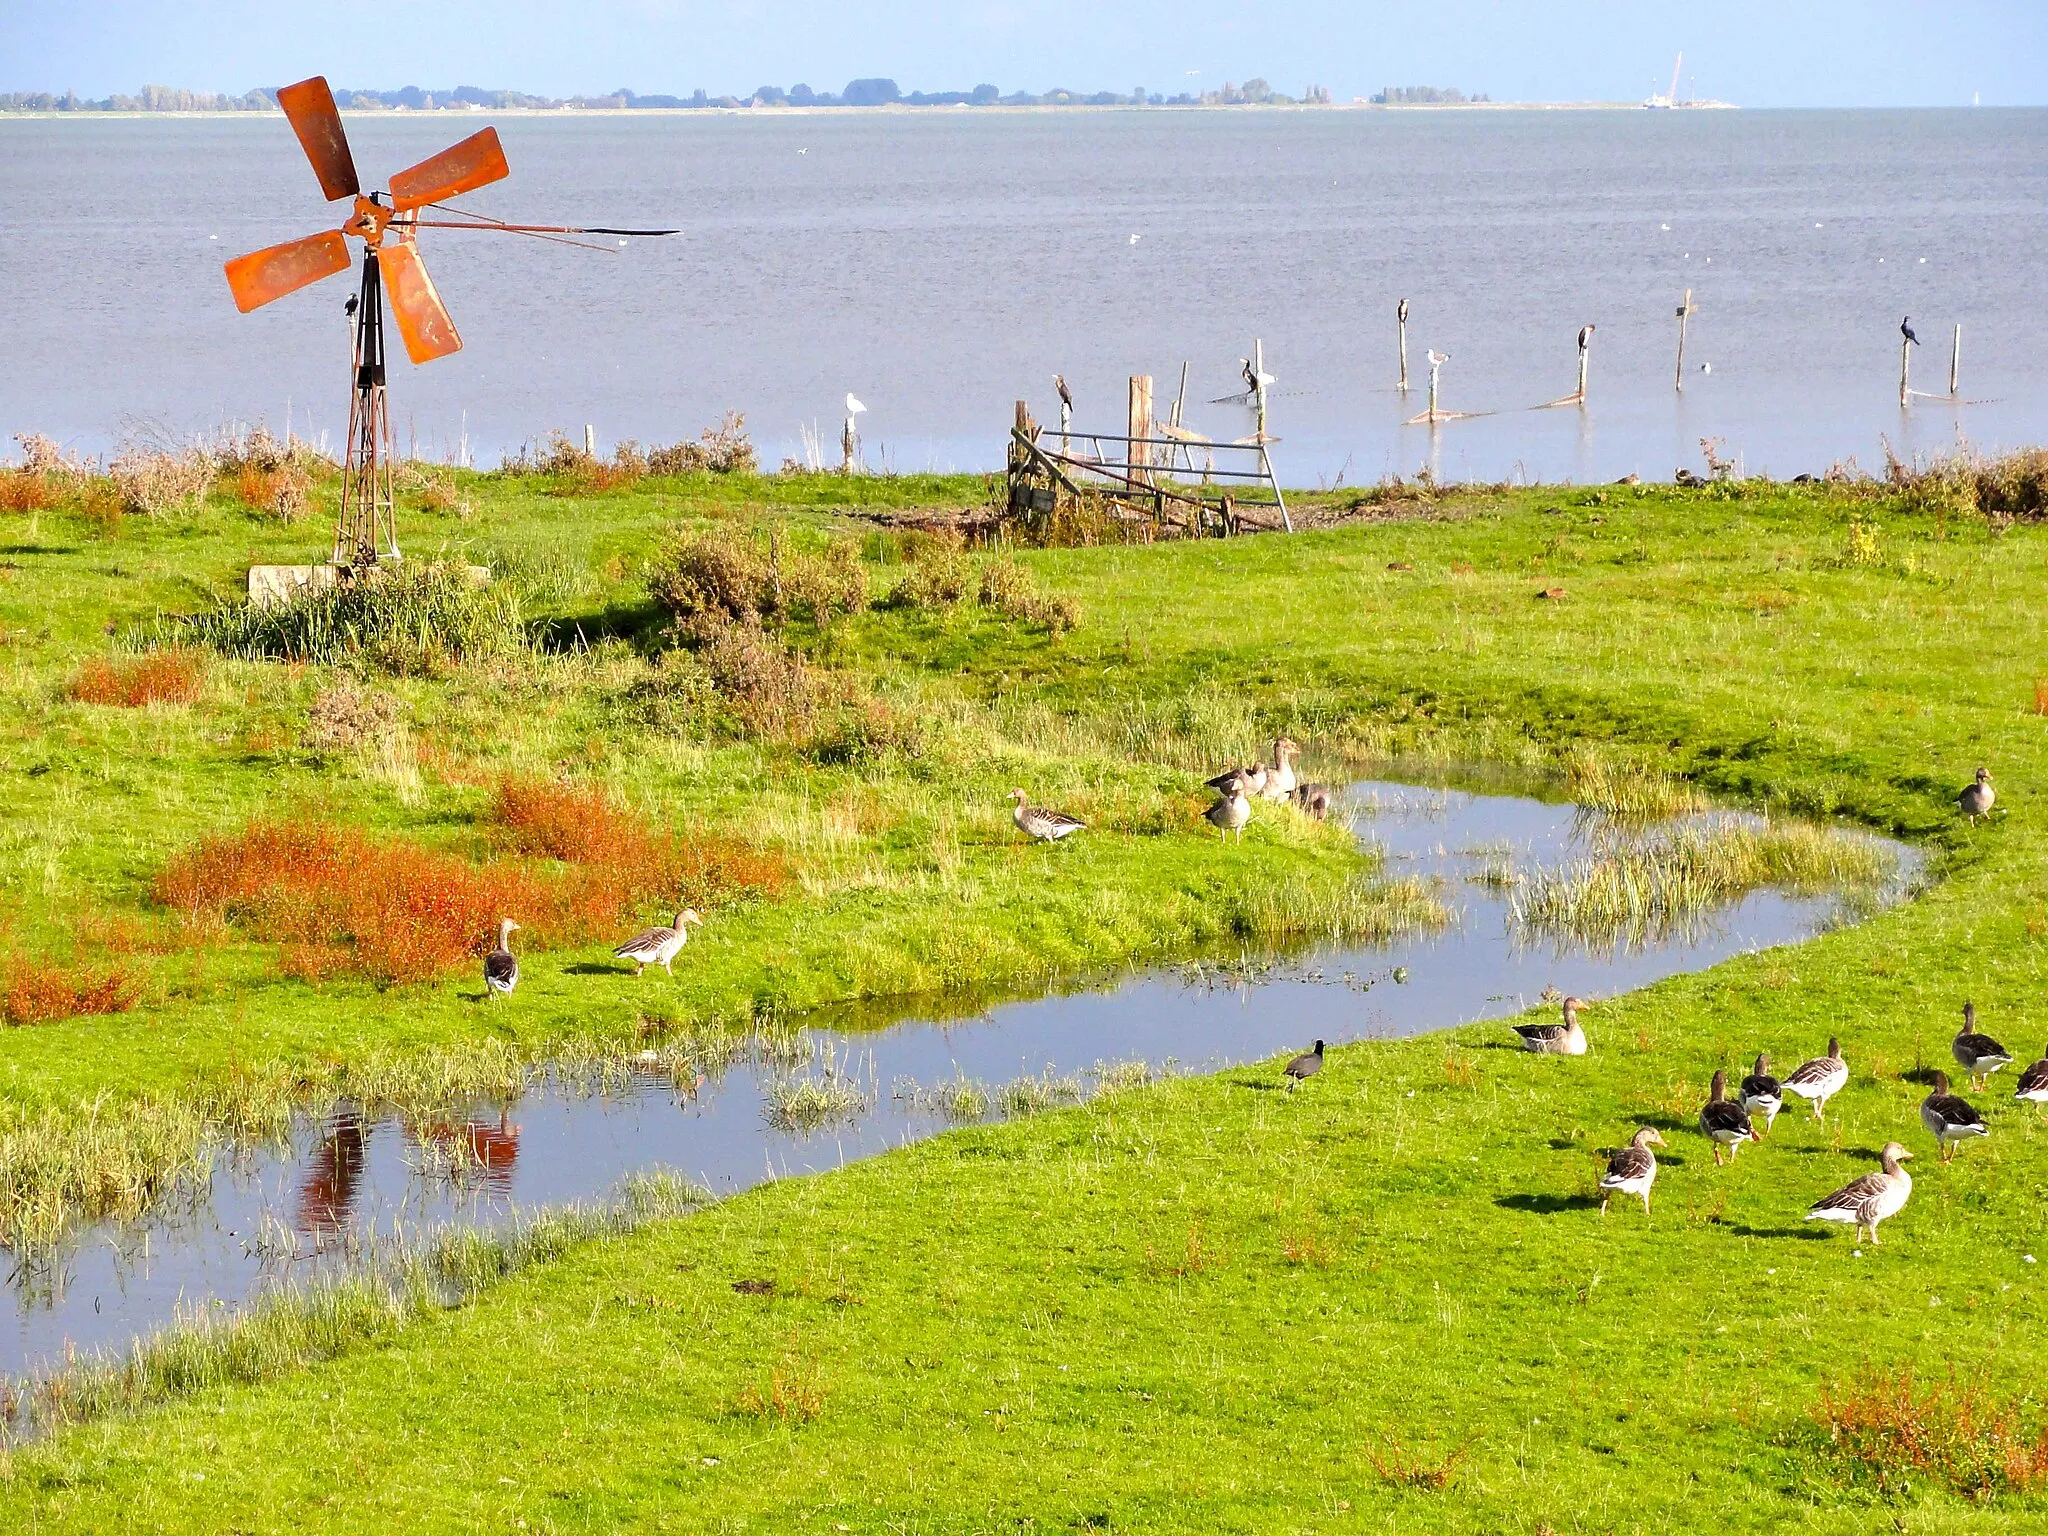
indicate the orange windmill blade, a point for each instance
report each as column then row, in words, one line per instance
column 386, row 223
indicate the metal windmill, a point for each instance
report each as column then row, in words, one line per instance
column 386, row 223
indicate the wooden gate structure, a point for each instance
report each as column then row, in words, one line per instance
column 1177, row 482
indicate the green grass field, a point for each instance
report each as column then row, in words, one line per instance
column 1385, row 1302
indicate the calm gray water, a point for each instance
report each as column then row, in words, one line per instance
column 274, row 1216
column 940, row 265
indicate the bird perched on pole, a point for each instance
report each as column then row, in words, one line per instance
column 849, row 440
column 1906, row 330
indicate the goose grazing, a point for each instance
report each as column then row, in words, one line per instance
column 1979, row 1055
column 1043, row 825
column 1279, row 783
column 1761, row 1094
column 501, row 966
column 1726, row 1121
column 1820, row 1079
column 2033, row 1084
column 1306, row 1065
column 1232, row 811
column 1976, row 799
column 1950, row 1118
column 1870, row 1199
column 1314, row 800
column 1565, row 1039
column 1633, row 1169
column 658, row 946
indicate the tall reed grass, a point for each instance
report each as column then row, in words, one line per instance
column 1628, row 791
column 1648, row 886
column 411, row 618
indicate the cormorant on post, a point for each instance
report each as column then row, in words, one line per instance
column 1906, row 330
column 1586, row 336
column 1059, row 382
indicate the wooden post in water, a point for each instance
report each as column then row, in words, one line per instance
column 589, row 441
column 1684, row 314
column 1905, row 370
column 1436, row 364
column 1401, row 320
column 1139, row 457
column 1585, row 346
column 1955, row 364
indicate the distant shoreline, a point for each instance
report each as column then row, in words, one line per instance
column 899, row 110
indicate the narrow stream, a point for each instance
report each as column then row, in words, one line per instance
column 273, row 1216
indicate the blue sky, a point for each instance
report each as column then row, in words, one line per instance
column 1754, row 52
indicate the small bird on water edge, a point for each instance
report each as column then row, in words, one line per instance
column 1306, row 1065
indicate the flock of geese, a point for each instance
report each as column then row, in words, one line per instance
column 1726, row 1120
column 1236, row 790
column 1730, row 1120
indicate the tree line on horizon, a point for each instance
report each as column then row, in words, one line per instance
column 871, row 92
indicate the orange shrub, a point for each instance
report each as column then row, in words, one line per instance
column 38, row 992
column 23, row 490
column 161, row 677
column 341, row 902
column 1955, row 1433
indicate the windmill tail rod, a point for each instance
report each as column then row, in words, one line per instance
column 540, row 229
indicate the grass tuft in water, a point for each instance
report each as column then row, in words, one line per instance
column 1645, row 888
column 1627, row 791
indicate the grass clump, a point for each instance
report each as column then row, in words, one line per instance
column 1647, row 887
column 161, row 677
column 809, row 1102
column 1626, row 791
column 728, row 574
column 1885, row 1426
column 411, row 619
column 1359, row 911
column 38, row 992
column 97, row 1161
column 1011, row 590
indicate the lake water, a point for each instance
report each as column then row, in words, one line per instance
column 942, row 264
column 272, row 1216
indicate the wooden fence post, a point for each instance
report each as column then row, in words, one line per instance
column 1684, row 314
column 1401, row 320
column 1139, row 456
column 1955, row 364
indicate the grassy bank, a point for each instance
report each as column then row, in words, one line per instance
column 1385, row 1300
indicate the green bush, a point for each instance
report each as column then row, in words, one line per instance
column 403, row 619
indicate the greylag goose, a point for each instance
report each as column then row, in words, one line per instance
column 1976, row 799
column 1314, row 800
column 501, row 966
column 1761, row 1094
column 1979, row 1055
column 1233, row 810
column 2033, row 1084
column 1633, row 1169
column 1820, row 1079
column 1565, row 1039
column 1252, row 775
column 1280, row 780
column 1870, row 1199
column 1306, row 1065
column 1043, row 825
column 1725, row 1121
column 658, row 946
column 1950, row 1118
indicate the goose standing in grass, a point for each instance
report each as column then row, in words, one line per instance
column 2033, row 1084
column 1314, row 800
column 1950, row 1118
column 1043, row 825
column 1252, row 775
column 1306, row 1065
column 501, row 966
column 1725, row 1120
column 1761, row 1093
column 1976, row 799
column 1233, row 810
column 1565, row 1039
column 1978, row 1054
column 1870, row 1199
column 1820, row 1079
column 1633, row 1169
column 1280, row 780
column 658, row 946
